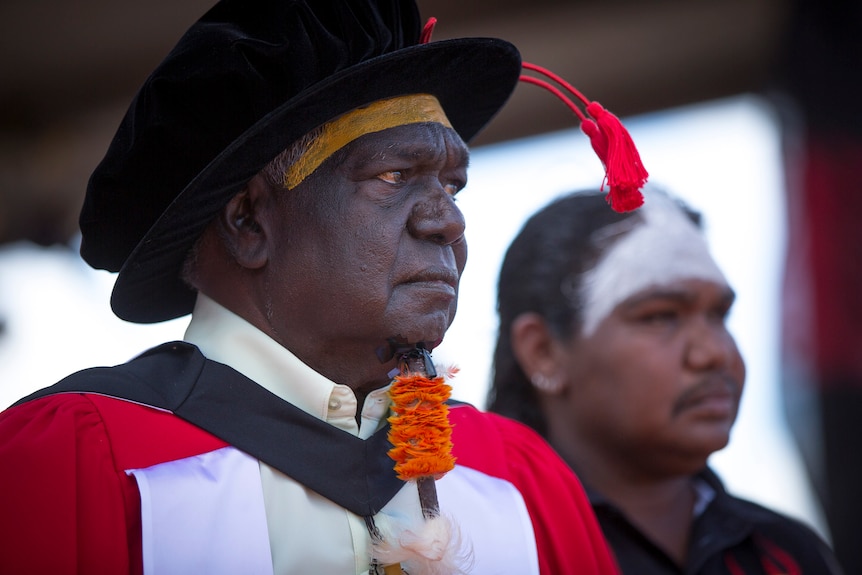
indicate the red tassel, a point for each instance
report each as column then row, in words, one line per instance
column 425, row 37
column 624, row 173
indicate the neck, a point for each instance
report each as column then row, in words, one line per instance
column 663, row 511
column 351, row 363
column 662, row 508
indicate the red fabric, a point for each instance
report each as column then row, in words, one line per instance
column 732, row 565
column 777, row 561
column 67, row 504
column 823, row 279
column 69, row 507
column 568, row 535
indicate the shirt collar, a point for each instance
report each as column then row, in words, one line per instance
column 703, row 483
column 227, row 338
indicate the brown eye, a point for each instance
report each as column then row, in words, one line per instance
column 658, row 316
column 392, row 177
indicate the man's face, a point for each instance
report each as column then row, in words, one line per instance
column 370, row 246
column 658, row 382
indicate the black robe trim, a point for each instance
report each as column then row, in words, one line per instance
column 356, row 474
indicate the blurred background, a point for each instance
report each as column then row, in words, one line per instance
column 748, row 109
column 68, row 71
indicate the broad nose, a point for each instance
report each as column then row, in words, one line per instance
column 711, row 346
column 436, row 217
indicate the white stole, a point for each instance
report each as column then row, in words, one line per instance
column 204, row 514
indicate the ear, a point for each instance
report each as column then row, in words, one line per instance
column 241, row 221
column 537, row 351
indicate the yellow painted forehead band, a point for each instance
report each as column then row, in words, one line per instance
column 377, row 116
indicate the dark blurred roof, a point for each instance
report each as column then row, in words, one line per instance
column 70, row 68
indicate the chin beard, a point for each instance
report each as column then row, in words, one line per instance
column 399, row 345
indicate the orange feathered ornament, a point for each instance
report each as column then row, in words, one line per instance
column 421, row 438
column 420, row 432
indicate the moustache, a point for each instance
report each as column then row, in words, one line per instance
column 716, row 385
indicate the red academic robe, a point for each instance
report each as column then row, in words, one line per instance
column 69, row 506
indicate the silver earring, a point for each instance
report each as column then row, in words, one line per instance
column 546, row 384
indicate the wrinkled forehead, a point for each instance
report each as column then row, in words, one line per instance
column 660, row 247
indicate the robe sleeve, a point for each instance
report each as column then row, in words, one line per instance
column 568, row 536
column 67, row 504
column 66, row 508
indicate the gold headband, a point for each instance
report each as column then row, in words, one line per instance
column 377, row 116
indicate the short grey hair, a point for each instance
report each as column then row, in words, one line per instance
column 275, row 170
column 273, row 173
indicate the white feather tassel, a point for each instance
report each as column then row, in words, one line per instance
column 430, row 547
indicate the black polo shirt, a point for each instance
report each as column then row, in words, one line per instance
column 730, row 536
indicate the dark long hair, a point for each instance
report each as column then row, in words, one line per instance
column 542, row 273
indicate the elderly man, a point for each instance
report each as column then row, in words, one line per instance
column 287, row 176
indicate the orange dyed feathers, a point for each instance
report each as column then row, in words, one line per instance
column 420, row 432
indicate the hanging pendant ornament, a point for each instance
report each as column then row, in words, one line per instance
column 419, row 429
column 421, row 438
column 625, row 174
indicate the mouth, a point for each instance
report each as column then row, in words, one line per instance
column 436, row 279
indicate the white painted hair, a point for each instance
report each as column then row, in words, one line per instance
column 658, row 248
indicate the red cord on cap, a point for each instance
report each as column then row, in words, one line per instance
column 612, row 143
column 425, row 37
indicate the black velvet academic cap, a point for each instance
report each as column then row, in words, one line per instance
column 243, row 83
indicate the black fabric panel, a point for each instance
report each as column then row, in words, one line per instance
column 353, row 473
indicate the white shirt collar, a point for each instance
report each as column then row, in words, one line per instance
column 227, row 338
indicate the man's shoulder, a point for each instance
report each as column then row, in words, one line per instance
column 466, row 414
column 121, row 406
column 498, row 445
column 769, row 520
column 774, row 532
column 175, row 359
column 777, row 533
column 159, row 377
column 750, row 511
